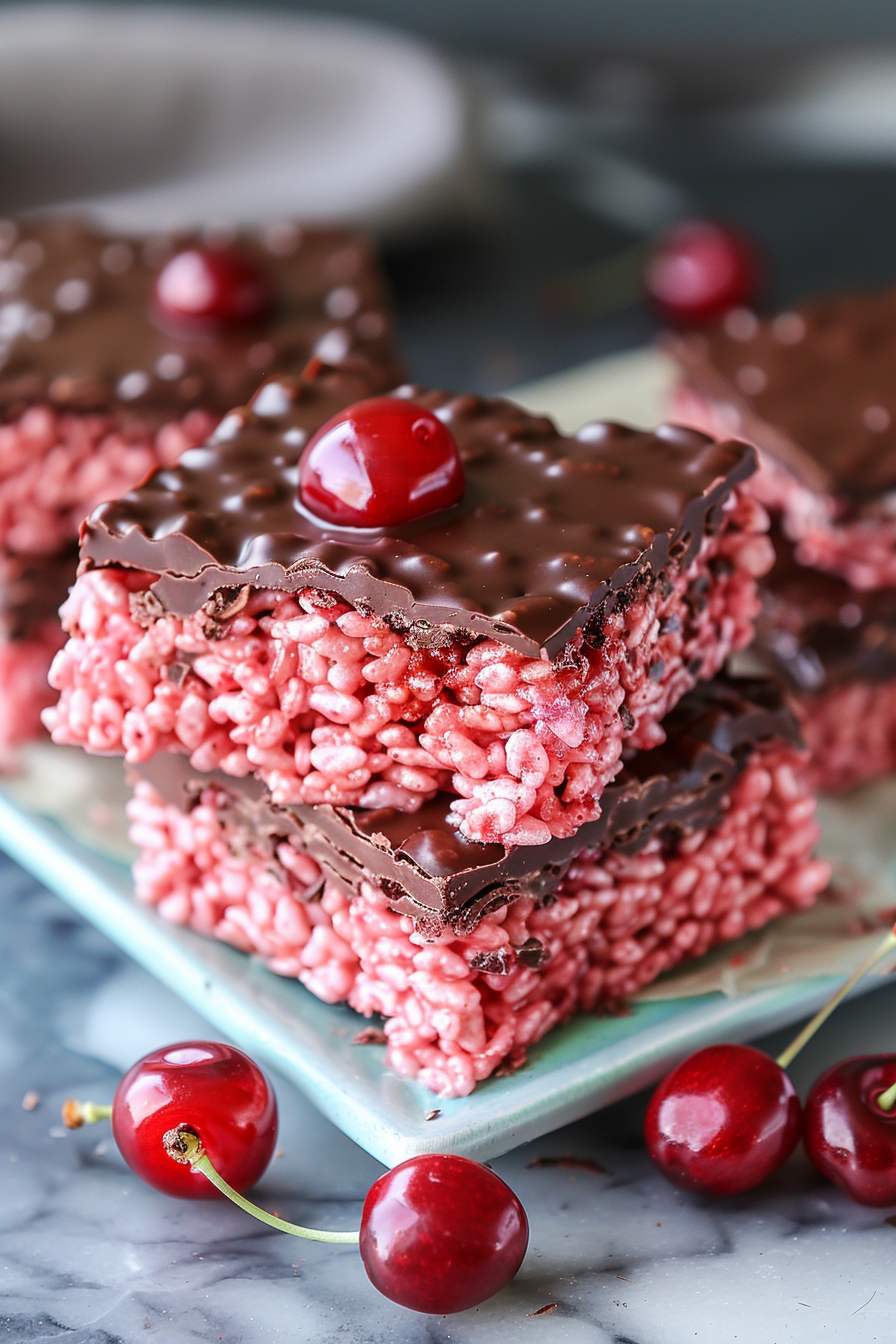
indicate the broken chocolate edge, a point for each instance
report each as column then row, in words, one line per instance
column 183, row 594
column 640, row 806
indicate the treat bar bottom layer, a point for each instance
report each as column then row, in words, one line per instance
column 328, row 706
column 860, row 550
column 458, row 1008
column 850, row 733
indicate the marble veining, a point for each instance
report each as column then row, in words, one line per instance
column 90, row 1256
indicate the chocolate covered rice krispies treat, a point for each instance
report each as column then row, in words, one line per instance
column 521, row 607
column 812, row 389
column 472, row 952
column 835, row 648
column 118, row 353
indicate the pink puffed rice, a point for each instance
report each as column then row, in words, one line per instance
column 56, row 466
column 24, row 689
column 850, row 733
column 862, row 552
column 614, row 924
column 327, row 705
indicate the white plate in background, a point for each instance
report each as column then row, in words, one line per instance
column 154, row 117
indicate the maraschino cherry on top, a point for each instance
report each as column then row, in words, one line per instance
column 380, row 463
column 205, row 289
column 699, row 270
column 439, row 1233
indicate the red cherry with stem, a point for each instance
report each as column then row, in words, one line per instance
column 441, row 1234
column 204, row 288
column 216, row 1090
column 728, row 1116
column 438, row 1233
column 380, row 463
column 723, row 1121
column 849, row 1128
column 698, row 270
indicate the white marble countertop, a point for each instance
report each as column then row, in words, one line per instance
column 90, row 1255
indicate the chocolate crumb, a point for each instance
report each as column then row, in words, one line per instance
column 499, row 962
column 227, row 602
column 145, row 608
column 432, row 1115
column 30, row 1101
column 370, row 1036
column 514, row 1061
column 533, row 953
column 543, row 1311
column 891, row 1220
column 568, row 1161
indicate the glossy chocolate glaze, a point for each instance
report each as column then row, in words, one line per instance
column 428, row 870
column 77, row 330
column 550, row 534
column 814, row 387
column 818, row 632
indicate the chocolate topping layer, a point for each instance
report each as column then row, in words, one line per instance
column 76, row 326
column 428, row 870
column 551, row 531
column 814, row 387
column 818, row 632
column 32, row 589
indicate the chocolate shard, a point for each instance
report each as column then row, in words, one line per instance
column 81, row 334
column 500, row 962
column 675, row 788
column 552, row 533
column 818, row 631
column 813, row 387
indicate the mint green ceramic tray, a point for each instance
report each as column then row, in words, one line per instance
column 575, row 1070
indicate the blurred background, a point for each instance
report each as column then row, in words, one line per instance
column 514, row 156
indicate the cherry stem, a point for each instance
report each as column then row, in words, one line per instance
column 888, row 944
column 311, row 369
column 185, row 1145
column 887, row 1100
column 78, row 1113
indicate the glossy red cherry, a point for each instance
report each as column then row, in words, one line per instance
column 698, row 271
column 380, row 463
column 723, row 1121
column 210, row 287
column 848, row 1136
column 217, row 1091
column 440, row 1234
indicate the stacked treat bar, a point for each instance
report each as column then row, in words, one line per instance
column 813, row 391
column 474, row 771
column 98, row 384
